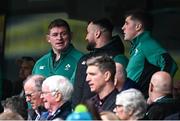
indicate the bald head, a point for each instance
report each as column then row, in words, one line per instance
column 162, row 82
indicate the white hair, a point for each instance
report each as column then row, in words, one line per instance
column 60, row 84
column 132, row 100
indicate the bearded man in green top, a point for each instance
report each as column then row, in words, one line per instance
column 63, row 57
column 146, row 55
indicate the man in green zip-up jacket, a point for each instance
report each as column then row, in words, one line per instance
column 146, row 55
column 63, row 57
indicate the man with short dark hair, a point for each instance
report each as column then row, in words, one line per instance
column 63, row 57
column 100, row 77
column 146, row 55
column 100, row 41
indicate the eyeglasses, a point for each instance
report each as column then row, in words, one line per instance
column 30, row 95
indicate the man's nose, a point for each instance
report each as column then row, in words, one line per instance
column 87, row 78
column 123, row 28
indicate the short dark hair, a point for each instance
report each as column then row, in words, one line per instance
column 104, row 63
column 59, row 23
column 143, row 16
column 104, row 23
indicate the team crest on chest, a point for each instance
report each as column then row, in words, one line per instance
column 67, row 67
column 41, row 67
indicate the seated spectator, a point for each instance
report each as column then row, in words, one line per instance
column 130, row 105
column 100, row 77
column 121, row 82
column 161, row 102
column 10, row 116
column 120, row 76
column 17, row 105
column 32, row 89
column 25, row 68
column 56, row 93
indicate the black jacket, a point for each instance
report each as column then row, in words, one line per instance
column 81, row 88
column 62, row 112
column 162, row 108
column 107, row 104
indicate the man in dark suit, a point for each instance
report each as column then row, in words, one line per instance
column 161, row 102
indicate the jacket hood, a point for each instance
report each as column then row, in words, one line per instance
column 114, row 46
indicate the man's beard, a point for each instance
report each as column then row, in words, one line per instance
column 91, row 46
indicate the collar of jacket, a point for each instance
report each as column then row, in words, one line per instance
column 61, row 109
column 138, row 39
column 166, row 99
column 114, row 45
column 63, row 53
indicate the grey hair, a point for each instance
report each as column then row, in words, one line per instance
column 36, row 79
column 60, row 84
column 132, row 100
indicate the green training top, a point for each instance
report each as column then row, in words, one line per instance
column 65, row 66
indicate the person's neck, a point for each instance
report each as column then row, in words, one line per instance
column 55, row 107
column 156, row 96
column 138, row 33
column 57, row 55
column 102, row 41
column 107, row 89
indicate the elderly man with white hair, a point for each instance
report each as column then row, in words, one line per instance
column 56, row 93
column 130, row 105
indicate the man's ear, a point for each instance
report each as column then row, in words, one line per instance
column 97, row 33
column 138, row 26
column 115, row 81
column 58, row 96
column 151, row 86
column 107, row 75
column 130, row 113
column 47, row 38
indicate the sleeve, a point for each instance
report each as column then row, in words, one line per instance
column 164, row 61
column 78, row 85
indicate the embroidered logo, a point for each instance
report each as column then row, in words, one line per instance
column 136, row 51
column 83, row 63
column 41, row 67
column 67, row 67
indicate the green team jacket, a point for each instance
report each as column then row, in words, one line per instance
column 66, row 65
column 147, row 57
